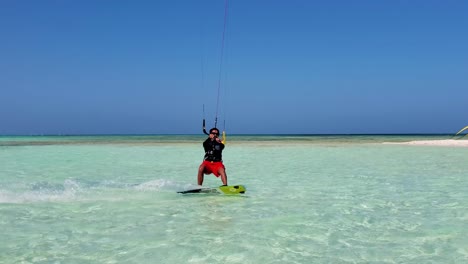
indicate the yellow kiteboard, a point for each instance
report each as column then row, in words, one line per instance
column 229, row 189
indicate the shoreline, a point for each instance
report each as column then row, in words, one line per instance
column 441, row 143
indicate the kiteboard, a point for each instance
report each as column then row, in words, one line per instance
column 229, row 189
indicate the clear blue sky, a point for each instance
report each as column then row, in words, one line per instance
column 299, row 66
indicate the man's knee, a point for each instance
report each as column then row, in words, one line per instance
column 201, row 168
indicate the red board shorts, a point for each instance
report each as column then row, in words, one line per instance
column 212, row 167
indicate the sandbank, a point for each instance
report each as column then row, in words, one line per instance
column 442, row 143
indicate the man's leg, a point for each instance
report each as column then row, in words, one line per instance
column 222, row 173
column 201, row 169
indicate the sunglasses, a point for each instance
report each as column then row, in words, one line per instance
column 214, row 133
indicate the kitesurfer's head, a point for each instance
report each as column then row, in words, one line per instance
column 214, row 131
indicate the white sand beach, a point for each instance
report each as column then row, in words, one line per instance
column 443, row 143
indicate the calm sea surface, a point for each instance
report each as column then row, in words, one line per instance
column 310, row 199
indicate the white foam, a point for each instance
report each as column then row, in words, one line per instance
column 36, row 196
column 72, row 190
column 163, row 184
column 69, row 192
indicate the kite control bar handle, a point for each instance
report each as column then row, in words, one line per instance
column 204, row 128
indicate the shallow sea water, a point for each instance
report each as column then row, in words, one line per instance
column 310, row 199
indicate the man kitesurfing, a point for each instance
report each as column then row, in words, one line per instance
column 213, row 145
column 213, row 160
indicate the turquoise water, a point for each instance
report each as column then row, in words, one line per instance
column 310, row 199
